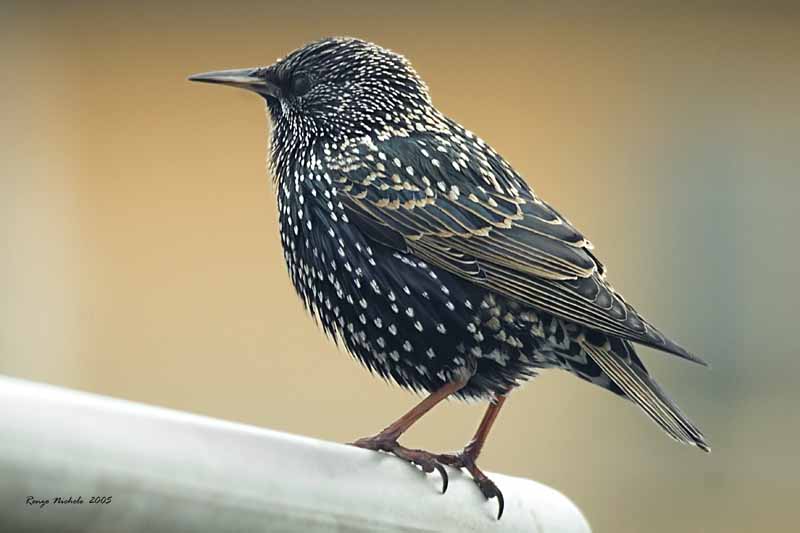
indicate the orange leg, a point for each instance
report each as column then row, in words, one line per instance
column 466, row 458
column 386, row 440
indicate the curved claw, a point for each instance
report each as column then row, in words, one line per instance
column 443, row 473
column 426, row 464
column 501, row 504
column 490, row 490
column 485, row 485
column 426, row 461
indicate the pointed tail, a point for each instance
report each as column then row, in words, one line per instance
column 627, row 372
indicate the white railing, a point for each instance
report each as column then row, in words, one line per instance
column 171, row 471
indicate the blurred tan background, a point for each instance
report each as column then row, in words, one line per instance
column 139, row 252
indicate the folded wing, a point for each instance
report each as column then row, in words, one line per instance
column 483, row 223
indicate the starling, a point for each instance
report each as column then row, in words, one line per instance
column 421, row 250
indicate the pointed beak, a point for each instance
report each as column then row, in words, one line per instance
column 252, row 79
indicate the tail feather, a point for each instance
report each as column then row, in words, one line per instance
column 626, row 371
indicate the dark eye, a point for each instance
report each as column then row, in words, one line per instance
column 301, row 83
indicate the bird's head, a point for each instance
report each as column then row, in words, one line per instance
column 333, row 88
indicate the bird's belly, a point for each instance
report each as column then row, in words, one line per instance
column 416, row 324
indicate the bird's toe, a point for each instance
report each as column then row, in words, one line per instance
column 489, row 491
column 426, row 461
column 465, row 460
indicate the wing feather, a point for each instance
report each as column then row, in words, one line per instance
column 496, row 233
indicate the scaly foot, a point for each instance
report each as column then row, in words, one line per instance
column 427, row 461
column 465, row 460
